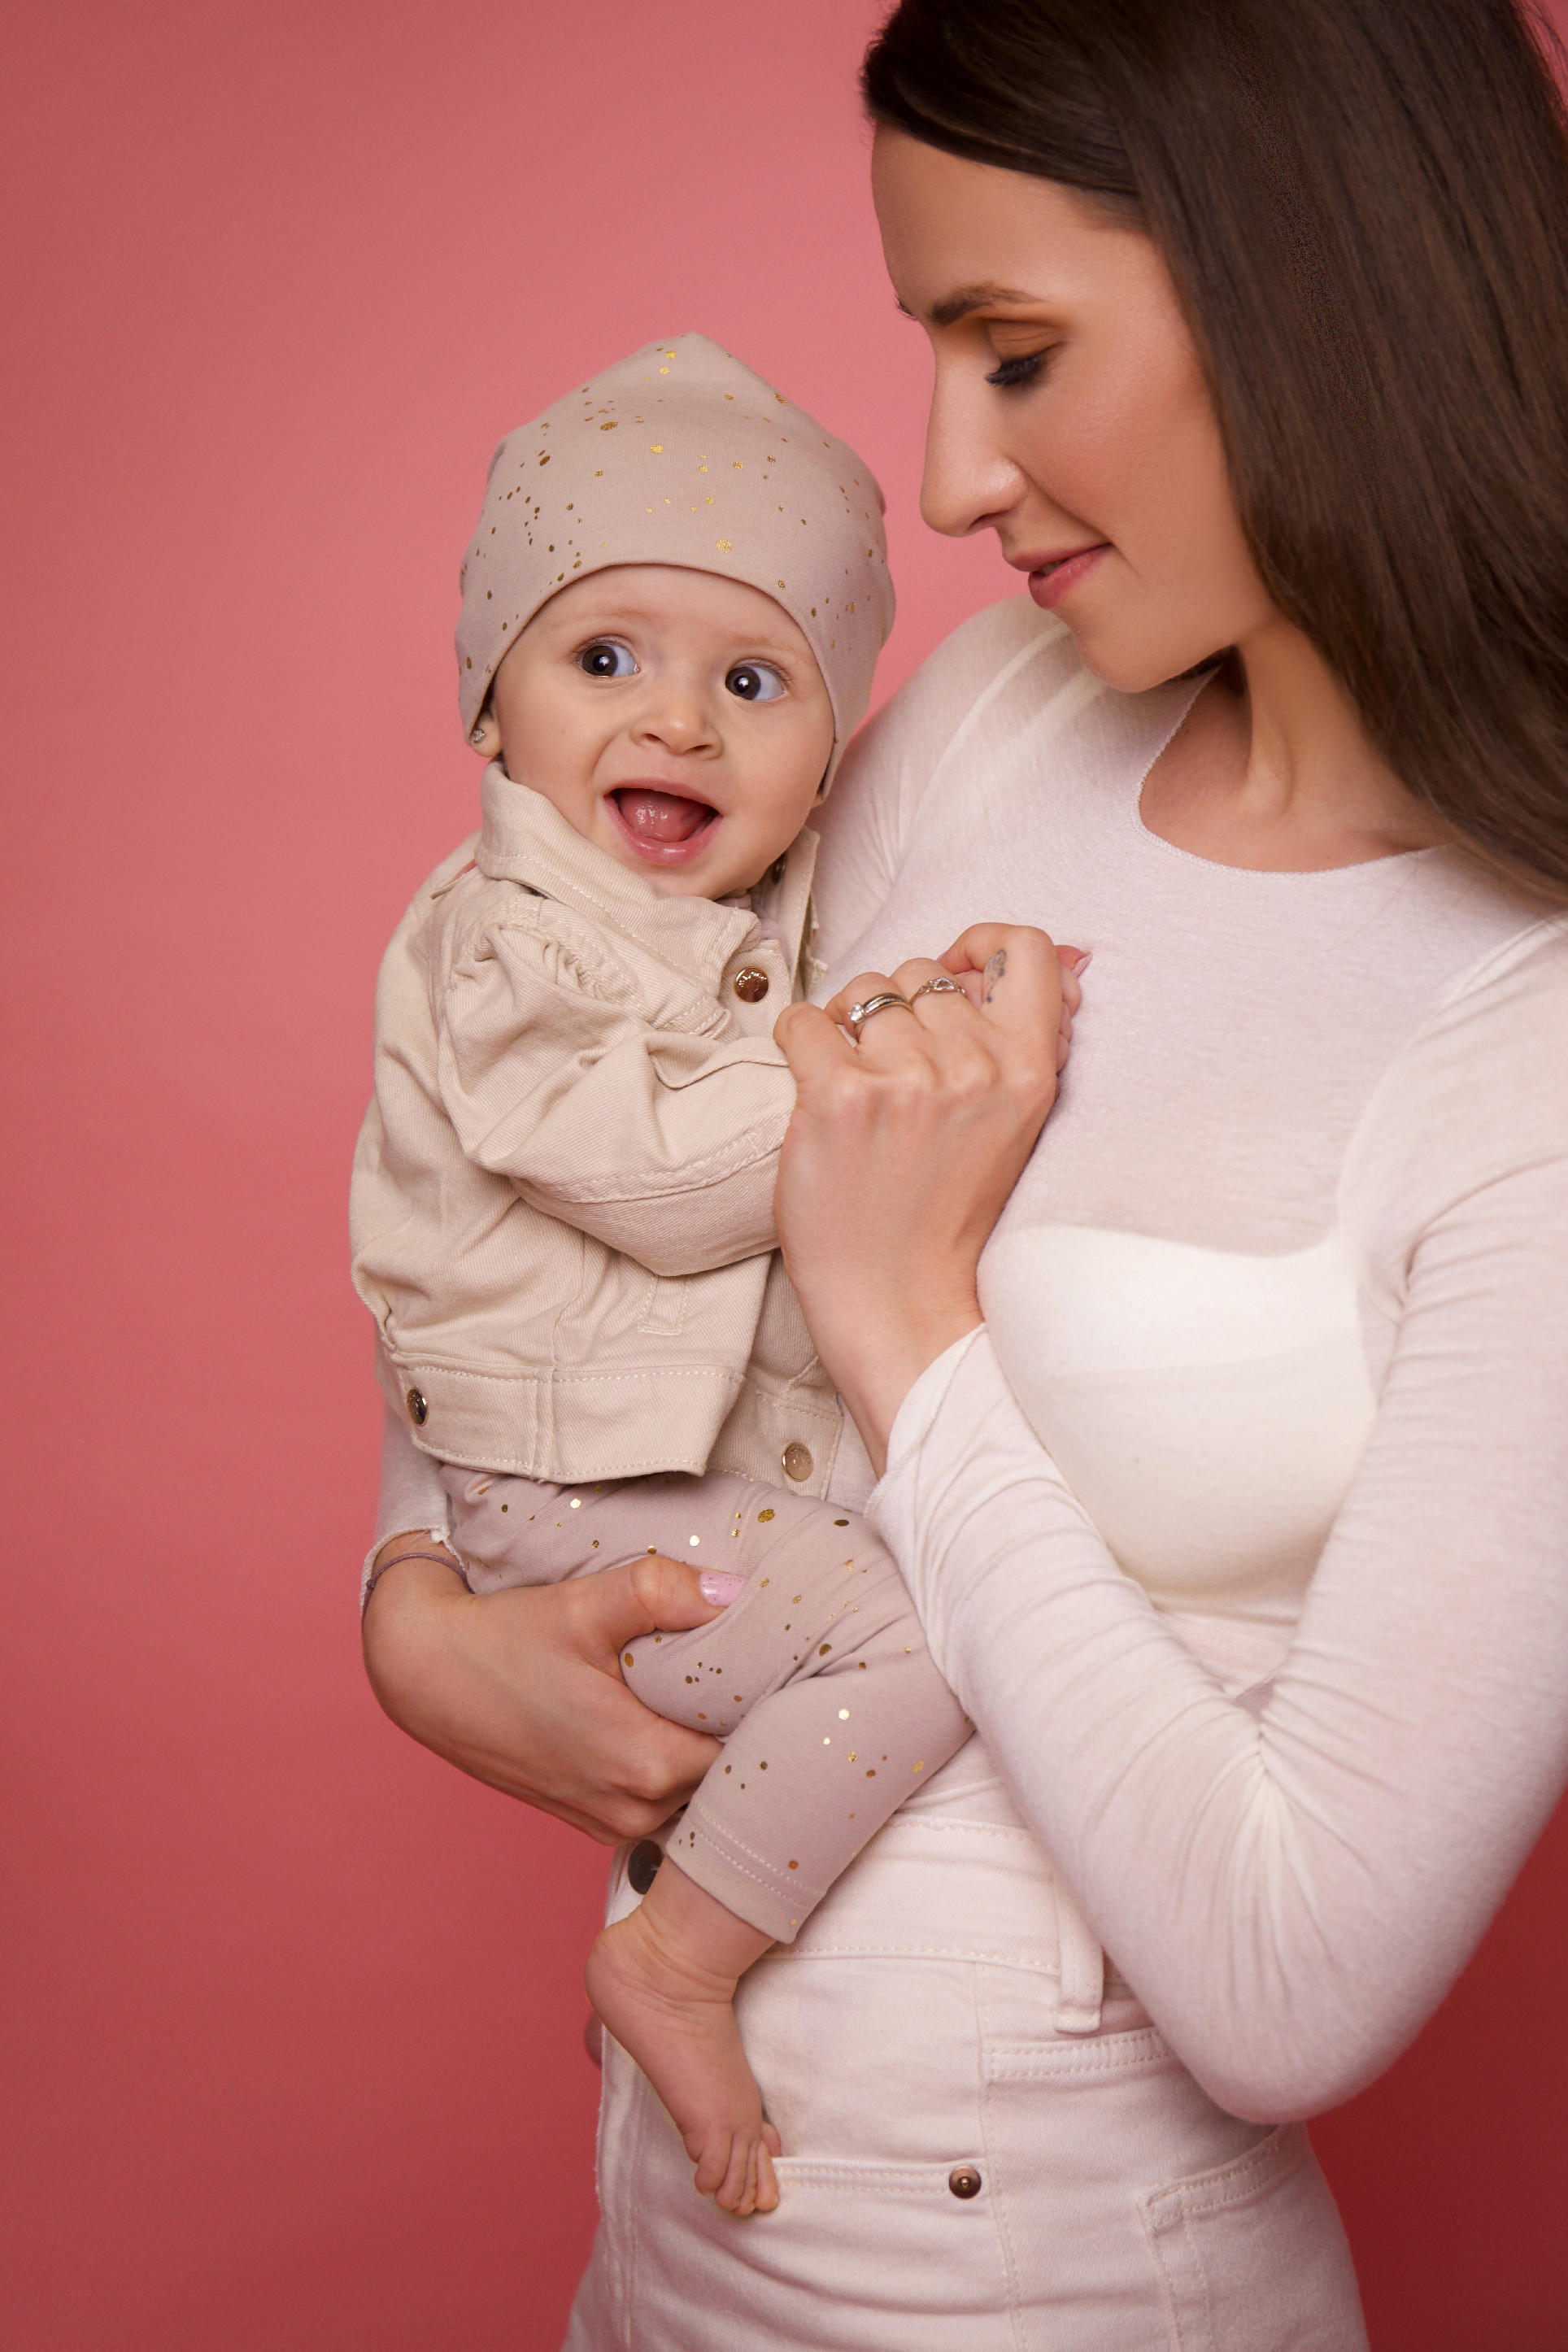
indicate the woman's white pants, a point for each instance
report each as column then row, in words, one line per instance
column 987, row 2146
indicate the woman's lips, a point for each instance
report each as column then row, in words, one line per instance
column 666, row 828
column 1057, row 575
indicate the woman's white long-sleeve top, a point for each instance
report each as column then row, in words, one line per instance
column 1272, row 1396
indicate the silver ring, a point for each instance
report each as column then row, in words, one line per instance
column 942, row 985
column 858, row 1014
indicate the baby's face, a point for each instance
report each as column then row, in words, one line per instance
column 675, row 717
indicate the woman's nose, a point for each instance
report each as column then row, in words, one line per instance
column 970, row 483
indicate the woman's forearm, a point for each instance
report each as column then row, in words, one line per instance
column 1291, row 1897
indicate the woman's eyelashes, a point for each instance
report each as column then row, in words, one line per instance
column 1009, row 375
column 607, row 658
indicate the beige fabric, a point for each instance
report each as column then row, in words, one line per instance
column 680, row 455
column 561, row 1205
column 817, row 1678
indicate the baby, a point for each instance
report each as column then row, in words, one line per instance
column 562, row 1196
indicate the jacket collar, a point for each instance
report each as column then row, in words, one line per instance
column 525, row 839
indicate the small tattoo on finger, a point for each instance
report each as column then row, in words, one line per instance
column 995, row 971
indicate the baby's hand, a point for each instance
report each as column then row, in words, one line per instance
column 978, row 981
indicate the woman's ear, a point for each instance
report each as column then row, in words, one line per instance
column 484, row 735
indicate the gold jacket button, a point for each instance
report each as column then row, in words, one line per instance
column 964, row 2181
column 797, row 1460
column 749, row 984
column 418, row 1411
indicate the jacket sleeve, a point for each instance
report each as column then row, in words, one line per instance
column 660, row 1141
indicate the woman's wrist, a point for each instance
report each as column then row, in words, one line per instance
column 887, row 1356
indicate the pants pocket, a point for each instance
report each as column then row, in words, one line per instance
column 1252, row 2255
column 1238, row 2246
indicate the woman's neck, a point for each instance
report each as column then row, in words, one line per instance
column 1272, row 769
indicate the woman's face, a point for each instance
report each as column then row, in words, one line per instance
column 1069, row 413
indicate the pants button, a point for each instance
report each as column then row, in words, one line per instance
column 797, row 1460
column 642, row 1868
column 964, row 2181
column 418, row 1410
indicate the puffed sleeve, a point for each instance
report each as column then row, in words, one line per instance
column 660, row 1141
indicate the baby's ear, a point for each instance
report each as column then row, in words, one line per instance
column 484, row 735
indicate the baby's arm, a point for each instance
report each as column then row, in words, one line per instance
column 660, row 1136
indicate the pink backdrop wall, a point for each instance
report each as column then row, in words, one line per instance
column 291, row 2011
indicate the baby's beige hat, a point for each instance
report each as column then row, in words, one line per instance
column 679, row 454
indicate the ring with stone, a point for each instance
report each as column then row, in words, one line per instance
column 940, row 984
column 858, row 1014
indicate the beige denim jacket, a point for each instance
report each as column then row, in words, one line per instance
column 562, row 1197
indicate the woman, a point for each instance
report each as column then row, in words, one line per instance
column 1230, row 1480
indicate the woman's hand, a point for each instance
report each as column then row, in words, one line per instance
column 903, row 1148
column 522, row 1688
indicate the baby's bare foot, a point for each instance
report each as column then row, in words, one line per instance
column 663, row 1979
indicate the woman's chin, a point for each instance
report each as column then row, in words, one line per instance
column 1130, row 668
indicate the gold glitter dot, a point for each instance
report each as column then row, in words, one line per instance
column 761, row 1516
column 694, row 1540
column 723, row 546
column 576, row 1503
column 841, row 1523
column 843, row 1712
column 850, row 1757
column 793, row 1865
column 824, row 1649
column 657, row 446
column 920, row 1766
column 604, row 428
column 628, row 1659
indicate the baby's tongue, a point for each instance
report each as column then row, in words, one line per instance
column 661, row 816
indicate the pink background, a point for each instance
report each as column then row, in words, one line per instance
column 292, row 2011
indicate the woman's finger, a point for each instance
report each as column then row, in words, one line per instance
column 653, row 1595
column 1023, row 984
column 863, row 990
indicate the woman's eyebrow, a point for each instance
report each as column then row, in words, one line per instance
column 953, row 306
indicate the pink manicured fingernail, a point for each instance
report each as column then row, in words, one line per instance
column 1081, row 963
column 720, row 1588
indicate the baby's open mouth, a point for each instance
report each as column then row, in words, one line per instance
column 667, row 827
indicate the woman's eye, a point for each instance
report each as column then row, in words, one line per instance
column 605, row 659
column 755, row 682
column 1024, row 369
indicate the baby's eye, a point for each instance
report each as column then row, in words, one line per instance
column 605, row 659
column 755, row 682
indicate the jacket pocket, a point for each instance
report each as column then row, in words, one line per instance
column 1252, row 2256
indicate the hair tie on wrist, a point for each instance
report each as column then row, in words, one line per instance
column 441, row 1558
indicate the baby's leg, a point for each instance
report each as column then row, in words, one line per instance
column 821, row 1666
column 822, row 1656
column 508, row 1530
column 819, row 1678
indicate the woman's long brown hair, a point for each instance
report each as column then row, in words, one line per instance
column 1364, row 204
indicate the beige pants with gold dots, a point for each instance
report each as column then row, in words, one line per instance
column 816, row 1678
